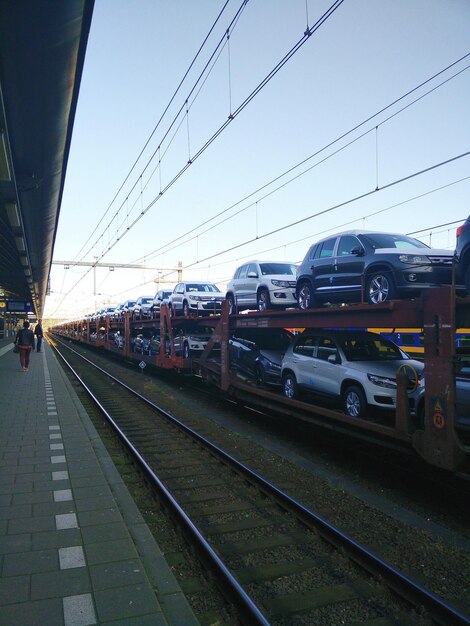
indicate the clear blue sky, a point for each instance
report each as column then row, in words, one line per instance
column 365, row 56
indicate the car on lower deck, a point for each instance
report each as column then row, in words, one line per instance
column 262, row 285
column 462, row 392
column 353, row 368
column 192, row 341
column 371, row 266
column 258, row 353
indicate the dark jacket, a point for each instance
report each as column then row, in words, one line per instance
column 25, row 337
column 38, row 330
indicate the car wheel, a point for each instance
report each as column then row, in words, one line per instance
column 264, row 301
column 354, row 401
column 185, row 309
column 380, row 288
column 305, row 296
column 186, row 352
column 289, row 386
column 231, row 304
column 259, row 374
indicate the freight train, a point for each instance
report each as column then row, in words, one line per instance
column 438, row 437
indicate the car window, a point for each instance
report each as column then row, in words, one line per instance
column 325, row 348
column 312, row 251
column 346, row 244
column 277, row 268
column 252, row 268
column 277, row 340
column 325, row 249
column 400, row 242
column 305, row 346
column 180, row 288
column 370, row 348
column 205, row 287
column 242, row 272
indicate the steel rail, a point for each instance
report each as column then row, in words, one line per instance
column 406, row 588
column 247, row 609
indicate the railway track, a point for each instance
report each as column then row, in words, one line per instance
column 275, row 560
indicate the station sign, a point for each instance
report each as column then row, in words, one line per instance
column 18, row 306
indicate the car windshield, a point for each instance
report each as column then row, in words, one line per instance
column 370, row 348
column 400, row 242
column 166, row 294
column 208, row 287
column 268, row 269
column 147, row 300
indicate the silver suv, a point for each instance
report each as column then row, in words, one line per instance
column 262, row 285
column 355, row 367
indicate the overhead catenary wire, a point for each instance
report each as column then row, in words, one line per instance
column 332, row 208
column 214, row 54
column 170, row 102
column 239, row 109
column 229, row 120
column 348, row 223
column 326, row 147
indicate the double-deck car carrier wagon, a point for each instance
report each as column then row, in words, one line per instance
column 440, row 439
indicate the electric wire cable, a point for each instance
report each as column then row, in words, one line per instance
column 330, row 144
column 230, row 119
column 158, row 123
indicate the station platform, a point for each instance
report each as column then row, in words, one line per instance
column 74, row 549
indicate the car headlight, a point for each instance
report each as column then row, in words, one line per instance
column 382, row 381
column 414, row 259
column 280, row 283
column 197, row 298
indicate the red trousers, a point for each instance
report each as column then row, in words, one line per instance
column 25, row 352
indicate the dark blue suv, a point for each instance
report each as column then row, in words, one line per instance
column 462, row 255
column 370, row 266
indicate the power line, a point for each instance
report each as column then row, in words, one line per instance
column 231, row 117
column 333, row 208
column 159, row 122
column 164, row 248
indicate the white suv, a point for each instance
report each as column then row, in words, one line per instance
column 355, row 367
column 262, row 285
column 193, row 296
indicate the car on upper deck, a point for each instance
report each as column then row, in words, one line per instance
column 161, row 297
column 262, row 285
column 142, row 308
column 462, row 255
column 124, row 307
column 374, row 266
column 195, row 296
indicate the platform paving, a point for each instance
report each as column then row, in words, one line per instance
column 74, row 549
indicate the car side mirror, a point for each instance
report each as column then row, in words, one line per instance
column 333, row 358
column 252, row 275
column 358, row 251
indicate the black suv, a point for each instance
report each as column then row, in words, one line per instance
column 371, row 266
column 462, row 255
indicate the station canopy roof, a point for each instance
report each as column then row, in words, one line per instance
column 42, row 52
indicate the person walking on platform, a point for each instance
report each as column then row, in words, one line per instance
column 25, row 341
column 39, row 335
